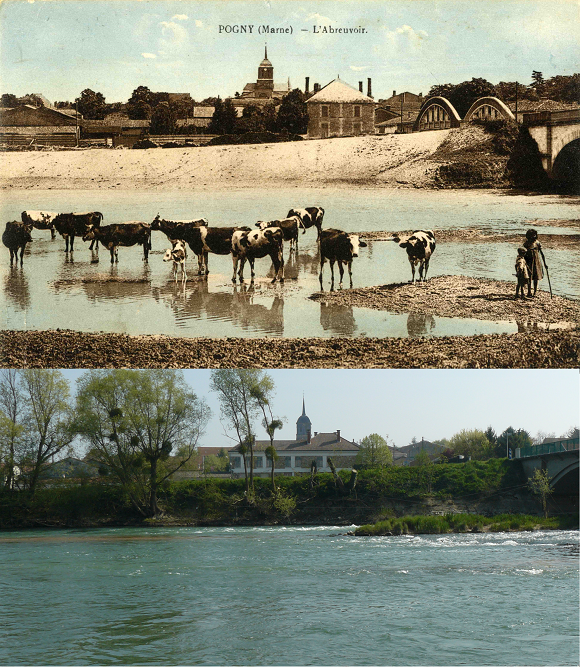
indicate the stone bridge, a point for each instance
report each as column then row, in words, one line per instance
column 557, row 134
column 559, row 459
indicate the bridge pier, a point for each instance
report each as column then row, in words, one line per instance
column 552, row 130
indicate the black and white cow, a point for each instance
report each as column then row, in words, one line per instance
column 15, row 237
column 203, row 240
column 177, row 254
column 252, row 245
column 123, row 234
column 338, row 246
column 419, row 246
column 69, row 225
column 309, row 217
column 289, row 227
column 175, row 229
column 40, row 220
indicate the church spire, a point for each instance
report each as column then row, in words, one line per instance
column 265, row 52
column 303, row 407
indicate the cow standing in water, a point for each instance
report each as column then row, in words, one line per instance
column 419, row 246
column 252, row 245
column 123, row 234
column 338, row 246
column 177, row 255
column 309, row 217
column 289, row 227
column 69, row 225
column 15, row 237
column 176, row 229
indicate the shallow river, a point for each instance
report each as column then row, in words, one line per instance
column 56, row 290
column 287, row 596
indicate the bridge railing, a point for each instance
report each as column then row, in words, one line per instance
column 541, row 117
column 548, row 448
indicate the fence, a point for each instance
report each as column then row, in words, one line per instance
column 566, row 445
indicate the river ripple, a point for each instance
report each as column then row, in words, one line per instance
column 287, row 596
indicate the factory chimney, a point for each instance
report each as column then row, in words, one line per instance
column 369, row 89
column 360, row 88
column 307, row 85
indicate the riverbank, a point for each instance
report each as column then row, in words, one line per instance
column 76, row 349
column 418, row 160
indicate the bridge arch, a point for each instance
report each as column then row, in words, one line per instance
column 566, row 479
column 437, row 114
column 563, row 139
column 488, row 108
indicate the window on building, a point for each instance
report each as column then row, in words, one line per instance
column 236, row 461
column 297, row 461
column 287, row 461
column 357, row 111
column 324, row 111
column 258, row 462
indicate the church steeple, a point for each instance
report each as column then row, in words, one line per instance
column 303, row 425
column 265, row 82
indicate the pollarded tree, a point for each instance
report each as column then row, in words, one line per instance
column 133, row 420
column 263, row 393
column 374, row 452
column 237, row 390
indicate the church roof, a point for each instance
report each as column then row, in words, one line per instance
column 339, row 91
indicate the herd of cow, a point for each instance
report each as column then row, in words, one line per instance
column 243, row 243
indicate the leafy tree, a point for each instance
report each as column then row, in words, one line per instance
column 537, row 80
column 539, row 484
column 563, row 88
column 491, row 436
column 8, row 100
column 374, row 452
column 32, row 100
column 35, row 411
column 425, row 465
column 512, row 439
column 91, row 105
column 263, row 393
column 142, row 103
column 293, row 113
column 471, row 443
column 162, row 119
column 252, row 119
column 133, row 420
column 11, row 424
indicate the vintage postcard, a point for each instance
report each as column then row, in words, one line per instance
column 172, row 173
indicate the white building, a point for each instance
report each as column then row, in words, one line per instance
column 296, row 456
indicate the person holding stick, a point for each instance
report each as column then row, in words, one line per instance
column 533, row 253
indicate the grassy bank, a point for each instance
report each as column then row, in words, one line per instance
column 466, row 523
column 492, row 487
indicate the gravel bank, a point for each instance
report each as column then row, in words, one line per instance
column 72, row 349
column 460, row 296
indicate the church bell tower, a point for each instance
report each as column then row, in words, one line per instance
column 303, row 426
column 265, row 82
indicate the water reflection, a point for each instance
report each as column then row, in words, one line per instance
column 196, row 302
column 420, row 324
column 337, row 319
column 16, row 287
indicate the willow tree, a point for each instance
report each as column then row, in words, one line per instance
column 237, row 391
column 133, row 421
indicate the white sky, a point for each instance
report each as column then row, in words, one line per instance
column 403, row 404
column 60, row 47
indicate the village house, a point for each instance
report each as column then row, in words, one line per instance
column 116, row 129
column 339, row 110
column 296, row 456
column 398, row 112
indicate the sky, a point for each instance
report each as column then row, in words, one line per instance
column 60, row 47
column 402, row 404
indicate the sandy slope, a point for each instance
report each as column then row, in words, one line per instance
column 386, row 160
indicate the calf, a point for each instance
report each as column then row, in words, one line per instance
column 338, row 246
column 40, row 220
column 419, row 246
column 289, row 227
column 251, row 245
column 69, row 225
column 177, row 255
column 15, row 237
column 124, row 234
column 203, row 240
column 175, row 229
column 309, row 217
